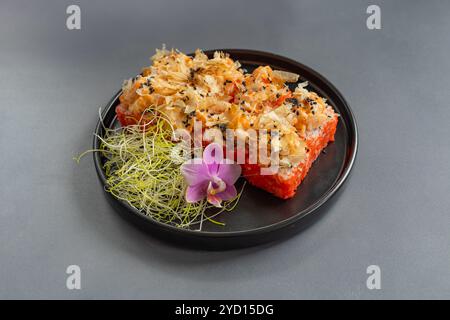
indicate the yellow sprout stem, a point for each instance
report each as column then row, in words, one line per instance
column 140, row 170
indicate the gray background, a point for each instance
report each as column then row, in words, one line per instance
column 394, row 211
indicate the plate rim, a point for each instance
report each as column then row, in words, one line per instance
column 259, row 230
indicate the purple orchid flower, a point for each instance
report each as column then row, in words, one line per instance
column 212, row 177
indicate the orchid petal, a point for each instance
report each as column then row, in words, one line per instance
column 214, row 200
column 228, row 194
column 229, row 172
column 212, row 156
column 196, row 193
column 195, row 172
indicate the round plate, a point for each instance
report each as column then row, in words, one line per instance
column 260, row 217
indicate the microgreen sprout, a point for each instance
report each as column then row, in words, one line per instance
column 141, row 170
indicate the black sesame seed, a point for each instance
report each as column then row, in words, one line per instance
column 294, row 101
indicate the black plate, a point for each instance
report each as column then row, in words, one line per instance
column 259, row 216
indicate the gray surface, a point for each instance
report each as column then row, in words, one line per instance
column 394, row 211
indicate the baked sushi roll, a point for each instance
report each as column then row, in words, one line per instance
column 219, row 94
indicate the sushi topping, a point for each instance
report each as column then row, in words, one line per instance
column 219, row 93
